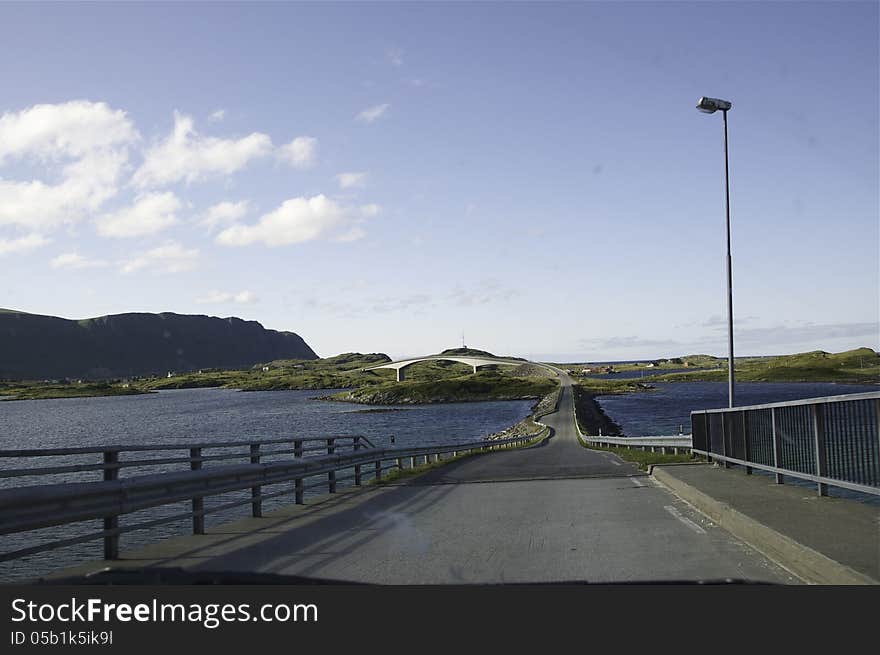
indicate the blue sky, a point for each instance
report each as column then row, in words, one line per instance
column 384, row 177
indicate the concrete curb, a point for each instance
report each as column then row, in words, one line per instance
column 810, row 565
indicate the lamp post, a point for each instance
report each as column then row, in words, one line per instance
column 710, row 106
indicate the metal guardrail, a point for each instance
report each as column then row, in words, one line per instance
column 661, row 443
column 832, row 441
column 664, row 443
column 23, row 509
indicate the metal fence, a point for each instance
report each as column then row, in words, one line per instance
column 134, row 478
column 832, row 441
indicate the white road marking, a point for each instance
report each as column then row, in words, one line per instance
column 637, row 482
column 693, row 526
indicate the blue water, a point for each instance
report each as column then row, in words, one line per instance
column 642, row 373
column 189, row 415
column 668, row 406
column 200, row 415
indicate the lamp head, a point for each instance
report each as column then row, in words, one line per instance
column 711, row 105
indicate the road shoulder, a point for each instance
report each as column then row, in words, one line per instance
column 820, row 540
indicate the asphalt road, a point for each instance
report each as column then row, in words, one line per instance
column 558, row 457
column 554, row 512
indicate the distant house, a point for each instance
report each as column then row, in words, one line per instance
column 170, row 374
column 651, row 365
column 265, row 369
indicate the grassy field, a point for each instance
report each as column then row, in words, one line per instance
column 441, row 381
column 433, row 381
column 859, row 366
column 40, row 390
column 642, row 458
column 488, row 385
column 697, row 361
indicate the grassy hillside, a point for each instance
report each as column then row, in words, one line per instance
column 35, row 391
column 431, row 381
column 861, row 365
column 339, row 372
column 482, row 386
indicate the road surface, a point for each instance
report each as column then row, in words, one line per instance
column 550, row 513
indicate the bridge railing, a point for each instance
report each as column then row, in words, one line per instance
column 832, row 441
column 262, row 464
column 659, row 443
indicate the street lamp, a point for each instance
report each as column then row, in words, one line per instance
column 710, row 106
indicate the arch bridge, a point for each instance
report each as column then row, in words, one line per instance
column 474, row 362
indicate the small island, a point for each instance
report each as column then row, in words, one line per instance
column 350, row 379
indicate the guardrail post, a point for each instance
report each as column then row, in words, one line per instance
column 256, row 503
column 399, row 463
column 111, row 542
column 724, row 462
column 198, row 504
column 412, row 462
column 298, row 483
column 818, row 412
column 331, row 476
column 357, row 467
column 777, row 445
column 747, row 454
column 378, row 470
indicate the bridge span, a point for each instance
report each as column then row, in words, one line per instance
column 474, row 362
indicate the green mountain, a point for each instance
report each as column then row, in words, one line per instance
column 122, row 345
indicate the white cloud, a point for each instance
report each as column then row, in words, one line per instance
column 217, row 116
column 21, row 244
column 187, row 156
column 75, row 261
column 370, row 114
column 300, row 153
column 355, row 233
column 70, row 129
column 171, row 257
column 218, row 297
column 224, row 213
column 295, row 221
column 85, row 143
column 150, row 213
column 370, row 210
column 395, row 56
column 351, row 180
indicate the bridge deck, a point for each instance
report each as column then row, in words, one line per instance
column 553, row 512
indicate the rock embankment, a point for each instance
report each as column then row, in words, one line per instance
column 529, row 425
column 590, row 417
